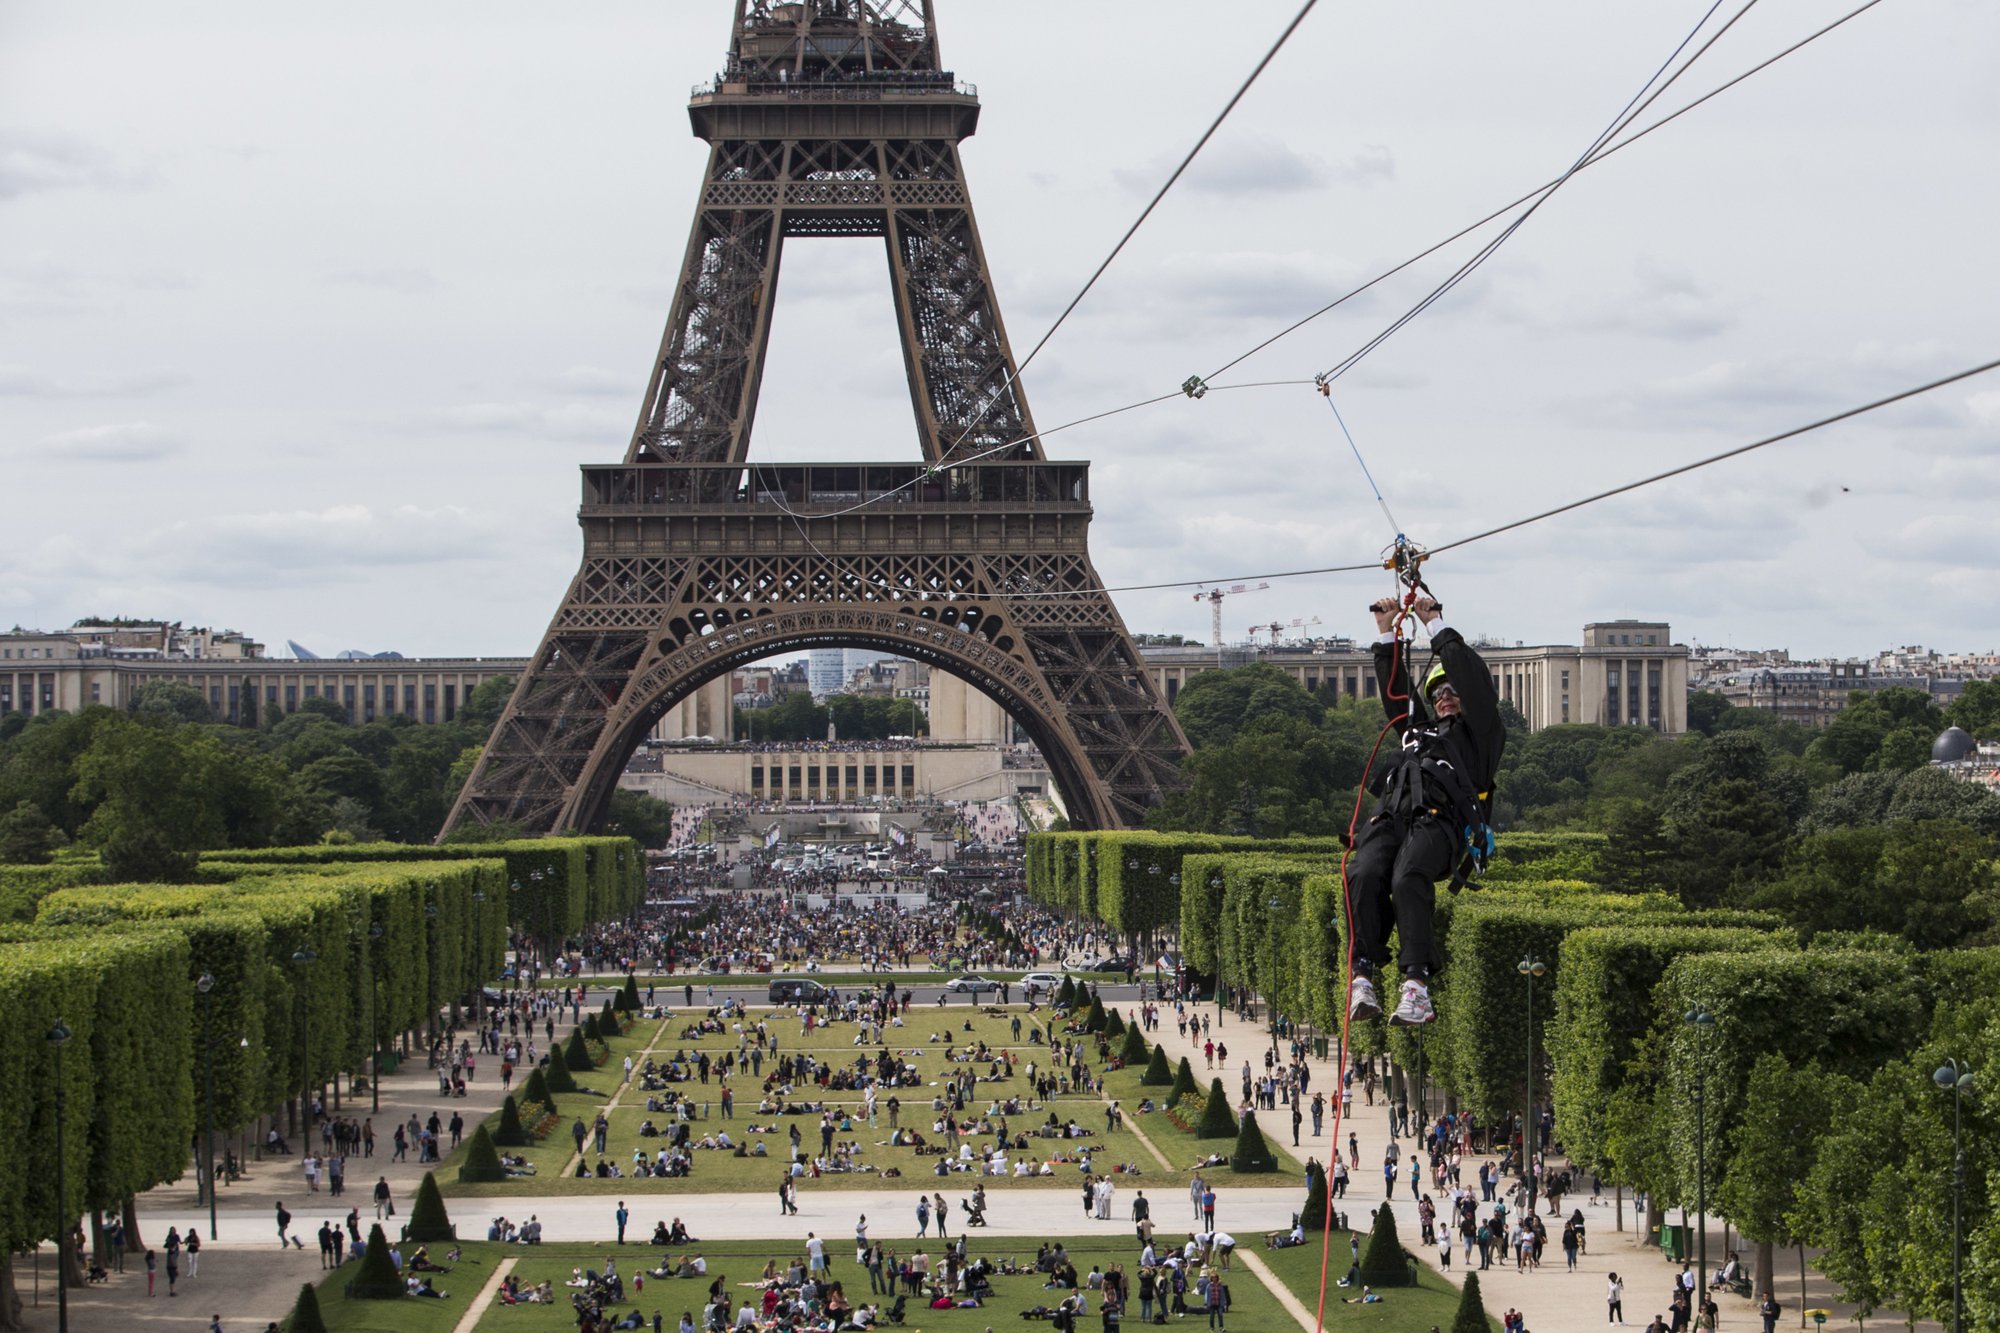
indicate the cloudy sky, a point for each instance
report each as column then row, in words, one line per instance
column 309, row 313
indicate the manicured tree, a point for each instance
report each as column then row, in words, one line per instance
column 305, row 1316
column 1382, row 1260
column 1093, row 1018
column 378, row 1280
column 1066, row 997
column 1114, row 1025
column 1313, row 1216
column 428, row 1219
column 557, row 1076
column 482, row 1160
column 609, row 1025
column 1183, row 1082
column 628, row 995
column 536, row 1089
column 590, row 1029
column 1133, row 1052
column 576, row 1054
column 1471, row 1316
column 1217, row 1120
column 509, row 1133
column 1159, row 1073
column 1252, row 1153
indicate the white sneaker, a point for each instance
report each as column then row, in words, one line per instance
column 1414, row 1008
column 1362, row 1002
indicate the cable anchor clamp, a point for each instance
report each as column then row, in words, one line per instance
column 1193, row 387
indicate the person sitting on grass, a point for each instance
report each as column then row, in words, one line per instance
column 1367, row 1297
column 1284, row 1240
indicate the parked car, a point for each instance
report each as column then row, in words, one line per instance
column 798, row 990
column 971, row 984
column 1040, row 983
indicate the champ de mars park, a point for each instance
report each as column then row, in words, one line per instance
column 1387, row 979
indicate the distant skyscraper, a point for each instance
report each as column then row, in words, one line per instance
column 826, row 670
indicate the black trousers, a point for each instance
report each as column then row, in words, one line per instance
column 1392, row 884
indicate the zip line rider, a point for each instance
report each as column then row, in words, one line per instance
column 1434, row 795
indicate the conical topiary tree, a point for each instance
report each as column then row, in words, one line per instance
column 428, row 1219
column 1184, row 1084
column 1093, row 1018
column 1066, row 996
column 1217, row 1120
column 377, row 1280
column 590, row 1028
column 482, row 1160
column 508, row 1133
column 1133, row 1052
column 1313, row 1216
column 609, row 1025
column 1114, row 1025
column 1471, row 1316
column 1252, row 1153
column 1159, row 1073
column 628, row 995
column 576, row 1053
column 536, row 1089
column 557, row 1076
column 305, row 1316
column 1382, row 1261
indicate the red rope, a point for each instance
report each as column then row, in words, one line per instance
column 1347, row 907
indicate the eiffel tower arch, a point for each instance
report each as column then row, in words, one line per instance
column 831, row 118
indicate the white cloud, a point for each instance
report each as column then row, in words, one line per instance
column 123, row 442
column 25, row 382
column 34, row 161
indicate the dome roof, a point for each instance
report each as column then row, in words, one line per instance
column 1952, row 745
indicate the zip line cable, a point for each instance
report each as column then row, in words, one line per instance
column 1014, row 373
column 1501, row 211
column 1629, row 112
column 1696, row 465
column 1391, row 272
column 1394, row 526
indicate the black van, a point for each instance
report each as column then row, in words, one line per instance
column 798, row 990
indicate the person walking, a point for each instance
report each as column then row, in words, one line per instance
column 1208, row 1207
column 923, row 1215
column 1196, row 1188
column 623, row 1215
column 284, row 1221
column 192, row 1248
column 326, row 1245
column 1614, row 1300
column 1297, row 1119
column 152, row 1267
column 383, row 1206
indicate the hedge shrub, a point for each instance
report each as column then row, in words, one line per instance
column 378, row 1279
column 1252, row 1153
column 1133, row 1053
column 1217, row 1120
column 482, row 1160
column 428, row 1220
column 1383, row 1261
column 1159, row 1073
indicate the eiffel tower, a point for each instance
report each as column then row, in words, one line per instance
column 831, row 118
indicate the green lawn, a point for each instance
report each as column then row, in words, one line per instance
column 1253, row 1307
column 1434, row 1301
column 929, row 1038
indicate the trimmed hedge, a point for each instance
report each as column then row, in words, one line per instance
column 378, row 1279
column 482, row 1160
column 305, row 1316
column 428, row 1219
column 1383, row 1261
column 1253, row 1154
column 508, row 1131
column 536, row 1089
column 1217, row 1120
column 1159, row 1073
column 1133, row 1053
column 1184, row 1084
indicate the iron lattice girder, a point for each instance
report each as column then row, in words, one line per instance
column 836, row 118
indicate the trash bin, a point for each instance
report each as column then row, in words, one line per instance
column 1674, row 1241
column 1319, row 1047
column 388, row 1061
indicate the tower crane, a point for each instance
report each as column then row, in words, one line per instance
column 1214, row 596
column 1277, row 628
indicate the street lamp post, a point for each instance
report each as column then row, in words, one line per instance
column 304, row 959
column 206, row 983
column 58, row 1038
column 1954, row 1075
column 1530, row 967
column 1704, row 1023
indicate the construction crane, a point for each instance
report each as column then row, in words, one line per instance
column 1277, row 629
column 1214, row 598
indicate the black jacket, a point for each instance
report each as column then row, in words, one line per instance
column 1470, row 742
